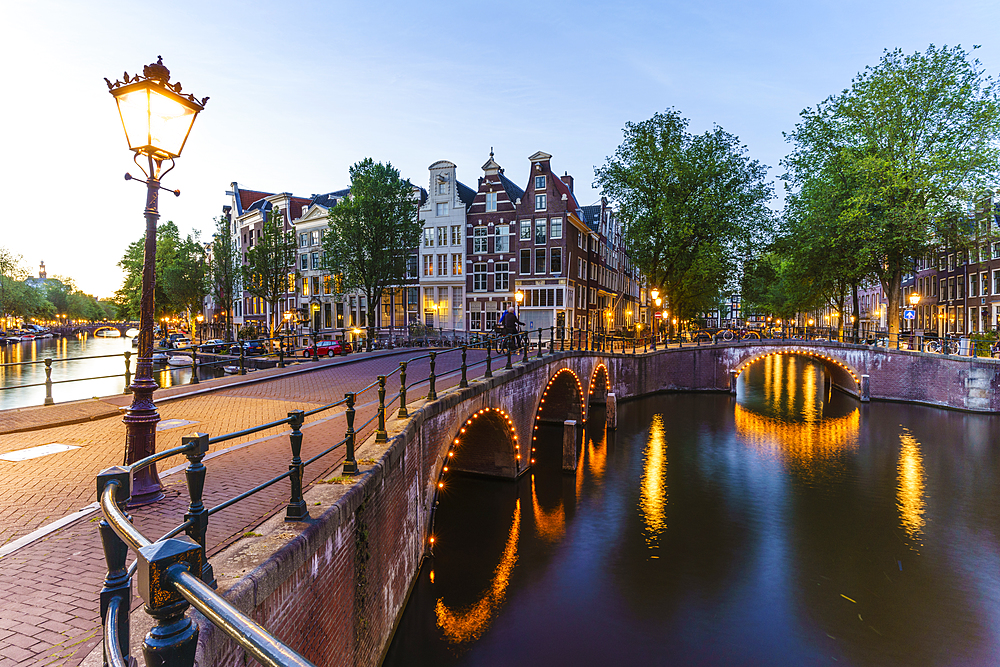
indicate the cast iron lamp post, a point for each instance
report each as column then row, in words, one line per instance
column 157, row 120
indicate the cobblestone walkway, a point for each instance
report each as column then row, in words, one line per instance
column 49, row 588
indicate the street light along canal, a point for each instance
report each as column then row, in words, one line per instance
column 790, row 525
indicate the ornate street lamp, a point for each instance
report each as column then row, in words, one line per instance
column 518, row 297
column 200, row 318
column 157, row 120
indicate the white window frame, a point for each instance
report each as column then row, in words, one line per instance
column 491, row 201
column 555, row 224
column 441, row 209
column 501, row 241
column 480, row 240
column 539, row 202
column 479, row 281
column 540, row 182
column 501, row 277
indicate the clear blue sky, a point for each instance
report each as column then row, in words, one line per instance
column 299, row 91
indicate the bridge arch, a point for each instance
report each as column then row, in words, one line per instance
column 486, row 444
column 600, row 385
column 842, row 373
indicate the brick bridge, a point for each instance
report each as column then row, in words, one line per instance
column 380, row 527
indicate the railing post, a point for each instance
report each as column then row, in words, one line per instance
column 464, row 382
column 571, row 334
column 489, row 360
column 197, row 514
column 117, row 583
column 552, row 340
column 243, row 367
column 539, row 344
column 296, row 510
column 431, row 391
column 194, row 366
column 350, row 463
column 525, row 339
column 402, row 391
column 128, row 371
column 281, row 351
column 173, row 637
column 510, row 351
column 48, row 382
column 380, row 434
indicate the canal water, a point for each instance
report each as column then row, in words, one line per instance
column 789, row 525
column 71, row 349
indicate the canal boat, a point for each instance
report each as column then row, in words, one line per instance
column 160, row 358
column 179, row 360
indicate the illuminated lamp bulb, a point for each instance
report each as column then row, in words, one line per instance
column 532, row 449
column 532, row 461
column 451, row 453
column 515, row 437
column 432, row 539
column 462, row 431
column 518, row 457
column 534, row 438
column 456, row 441
column 440, row 485
column 446, row 468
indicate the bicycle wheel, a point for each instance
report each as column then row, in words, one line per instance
column 750, row 335
column 727, row 335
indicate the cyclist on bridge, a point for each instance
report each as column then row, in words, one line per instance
column 508, row 323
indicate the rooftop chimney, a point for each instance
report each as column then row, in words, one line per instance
column 568, row 180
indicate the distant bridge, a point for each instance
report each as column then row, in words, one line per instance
column 93, row 327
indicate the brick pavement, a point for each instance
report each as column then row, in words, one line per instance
column 48, row 610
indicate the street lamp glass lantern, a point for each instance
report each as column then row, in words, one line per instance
column 156, row 117
column 914, row 298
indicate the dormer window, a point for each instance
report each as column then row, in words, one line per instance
column 442, row 208
column 540, row 201
column 442, row 188
column 539, row 182
column 491, row 201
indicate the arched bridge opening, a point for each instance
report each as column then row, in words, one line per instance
column 600, row 386
column 840, row 373
column 486, row 444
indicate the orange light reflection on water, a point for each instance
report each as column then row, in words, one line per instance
column 910, row 490
column 653, row 490
column 469, row 624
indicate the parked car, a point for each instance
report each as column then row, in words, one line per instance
column 328, row 348
column 250, row 347
column 214, row 346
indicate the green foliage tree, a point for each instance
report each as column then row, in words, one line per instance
column 224, row 269
column 694, row 208
column 185, row 278
column 269, row 261
column 908, row 145
column 372, row 233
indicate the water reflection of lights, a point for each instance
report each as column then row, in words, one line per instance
column 910, row 491
column 551, row 526
column 801, row 445
column 653, row 491
column 469, row 624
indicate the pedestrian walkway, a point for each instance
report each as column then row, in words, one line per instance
column 49, row 611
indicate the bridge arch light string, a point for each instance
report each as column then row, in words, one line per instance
column 815, row 355
column 594, row 377
column 457, row 442
column 545, row 393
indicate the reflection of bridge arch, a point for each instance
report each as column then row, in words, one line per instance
column 842, row 373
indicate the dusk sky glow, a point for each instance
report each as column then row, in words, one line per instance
column 300, row 91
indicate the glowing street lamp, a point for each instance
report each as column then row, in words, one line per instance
column 157, row 120
column 518, row 298
column 914, row 298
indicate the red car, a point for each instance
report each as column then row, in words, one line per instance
column 328, row 348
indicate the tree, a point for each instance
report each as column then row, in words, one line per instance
column 224, row 269
column 184, row 279
column 12, row 272
column 372, row 233
column 269, row 261
column 910, row 144
column 168, row 238
column 694, row 208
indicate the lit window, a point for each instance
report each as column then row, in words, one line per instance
column 428, row 265
column 456, row 265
